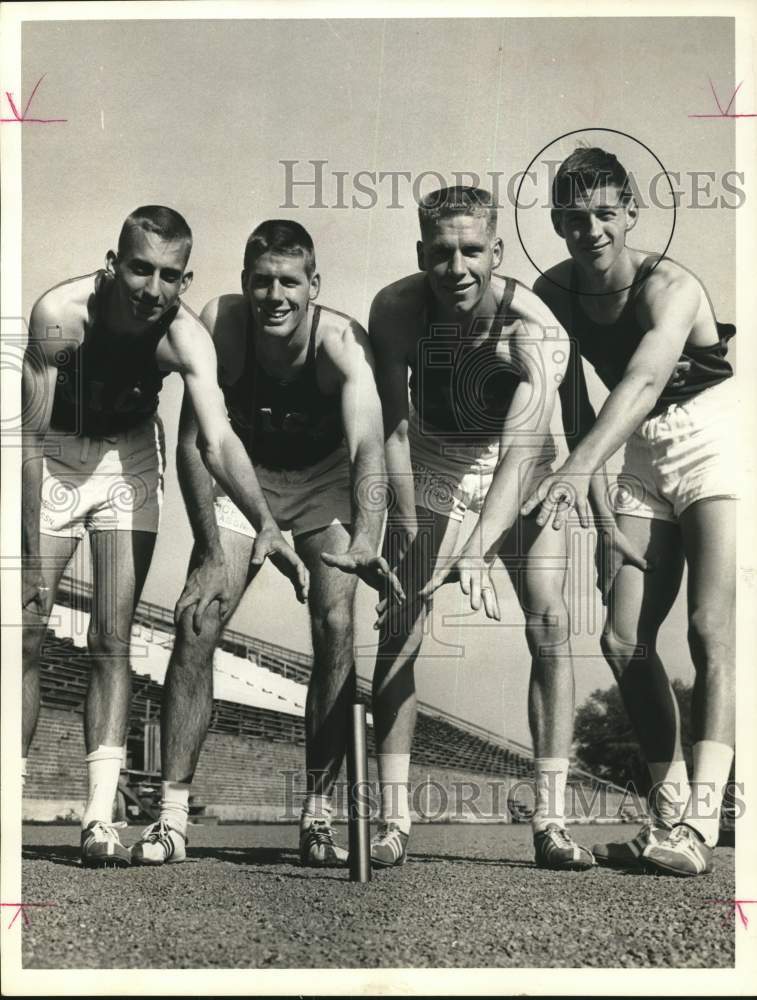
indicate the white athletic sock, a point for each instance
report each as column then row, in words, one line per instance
column 174, row 804
column 23, row 771
column 394, row 779
column 315, row 807
column 550, row 779
column 103, row 767
column 712, row 765
column 669, row 792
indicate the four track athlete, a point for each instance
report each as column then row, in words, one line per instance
column 300, row 392
column 636, row 317
column 485, row 359
column 99, row 348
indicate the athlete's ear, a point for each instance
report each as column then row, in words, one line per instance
column 186, row 281
column 111, row 260
column 557, row 223
column 315, row 286
column 632, row 214
column 243, row 281
column 498, row 248
column 421, row 255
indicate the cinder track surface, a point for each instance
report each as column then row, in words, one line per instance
column 469, row 896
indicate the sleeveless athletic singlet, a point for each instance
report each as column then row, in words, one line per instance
column 610, row 346
column 110, row 383
column 284, row 425
column 458, row 387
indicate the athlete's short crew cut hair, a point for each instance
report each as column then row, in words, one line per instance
column 586, row 170
column 451, row 201
column 280, row 236
column 164, row 222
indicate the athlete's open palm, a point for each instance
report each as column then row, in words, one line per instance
column 370, row 568
column 270, row 544
column 473, row 573
column 556, row 494
column 615, row 550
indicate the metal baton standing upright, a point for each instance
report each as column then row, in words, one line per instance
column 358, row 800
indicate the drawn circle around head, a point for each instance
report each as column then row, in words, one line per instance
column 580, row 131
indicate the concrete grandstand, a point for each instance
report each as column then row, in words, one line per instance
column 252, row 765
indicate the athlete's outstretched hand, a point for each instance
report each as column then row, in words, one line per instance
column 270, row 544
column 370, row 568
column 473, row 573
column 556, row 494
column 206, row 583
column 613, row 551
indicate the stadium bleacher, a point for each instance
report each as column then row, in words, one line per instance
column 259, row 694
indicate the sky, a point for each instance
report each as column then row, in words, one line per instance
column 202, row 116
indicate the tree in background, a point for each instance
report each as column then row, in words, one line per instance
column 605, row 743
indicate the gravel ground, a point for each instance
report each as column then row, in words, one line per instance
column 468, row 897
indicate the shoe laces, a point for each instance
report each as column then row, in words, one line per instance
column 681, row 832
column 561, row 834
column 321, row 832
column 153, row 833
column 109, row 830
column 387, row 832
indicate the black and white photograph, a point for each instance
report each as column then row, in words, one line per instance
column 378, row 454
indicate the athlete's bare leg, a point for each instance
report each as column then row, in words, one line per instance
column 401, row 634
column 638, row 604
column 120, row 561
column 536, row 560
column 188, row 689
column 332, row 683
column 55, row 554
column 708, row 529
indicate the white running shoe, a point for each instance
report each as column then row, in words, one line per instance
column 160, row 844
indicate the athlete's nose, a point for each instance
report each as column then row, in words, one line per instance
column 153, row 285
column 457, row 263
column 595, row 227
column 274, row 290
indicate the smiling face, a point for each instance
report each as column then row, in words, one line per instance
column 149, row 276
column 458, row 253
column 594, row 227
column 278, row 288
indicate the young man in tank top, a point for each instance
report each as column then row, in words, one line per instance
column 648, row 327
column 485, row 358
column 300, row 392
column 93, row 458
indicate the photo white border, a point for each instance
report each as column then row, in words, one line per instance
column 456, row 981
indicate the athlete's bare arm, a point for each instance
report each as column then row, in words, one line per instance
column 613, row 548
column 394, row 333
column 55, row 327
column 188, row 349
column 351, row 360
column 667, row 307
column 538, row 348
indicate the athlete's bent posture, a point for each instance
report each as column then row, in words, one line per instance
column 485, row 358
column 648, row 327
column 99, row 348
column 300, row 392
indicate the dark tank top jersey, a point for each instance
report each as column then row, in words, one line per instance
column 610, row 346
column 458, row 387
column 284, row 425
column 111, row 382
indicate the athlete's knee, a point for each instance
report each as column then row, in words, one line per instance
column 711, row 636
column 108, row 648
column 547, row 627
column 197, row 640
column 334, row 621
